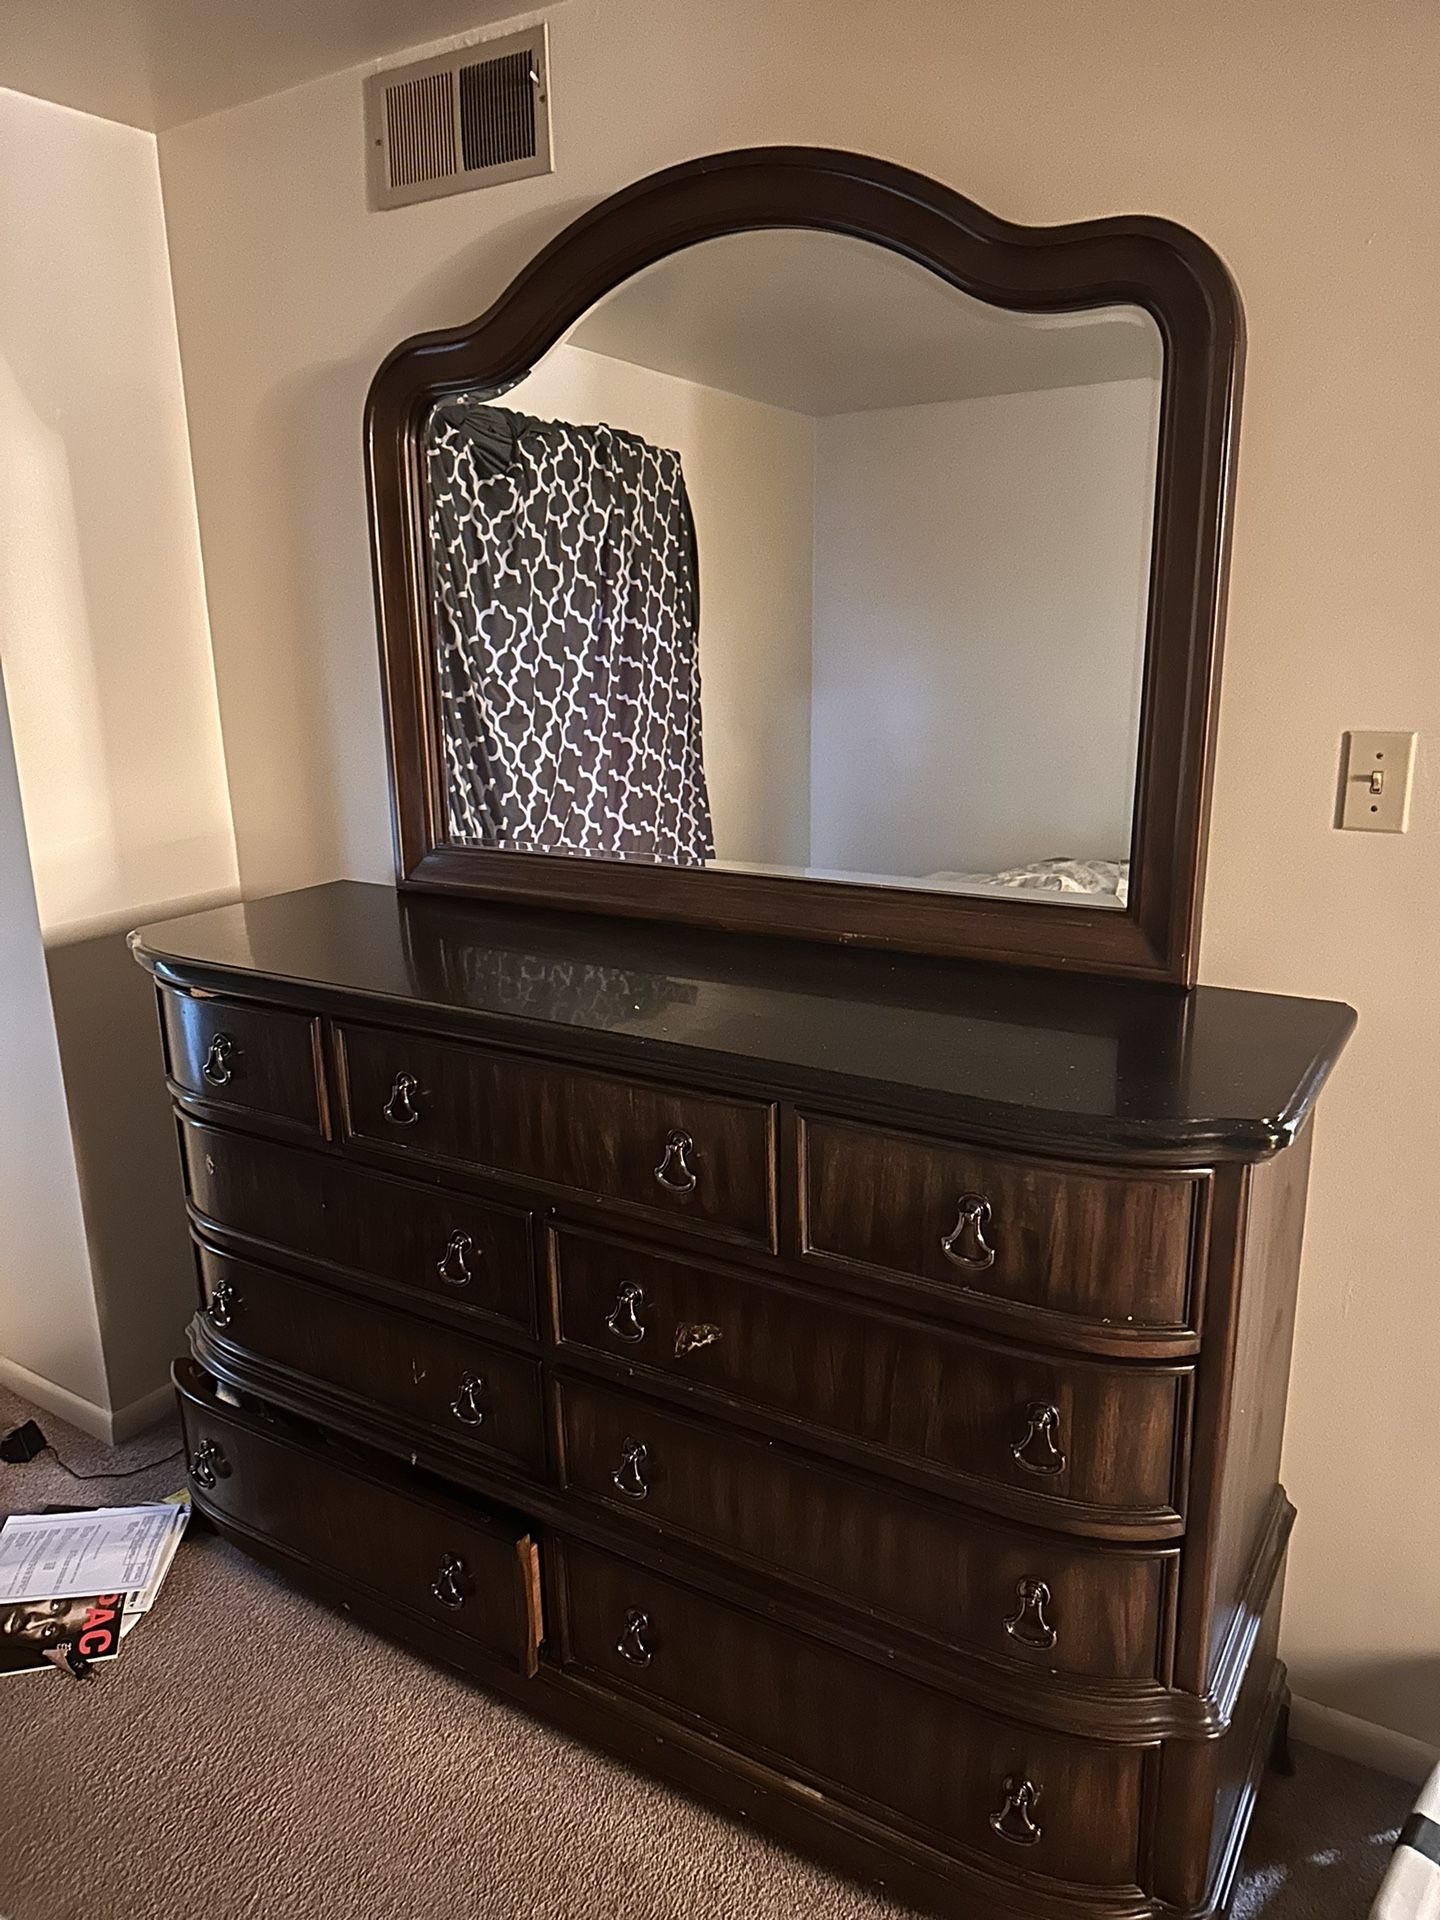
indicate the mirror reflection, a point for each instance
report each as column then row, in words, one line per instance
column 792, row 559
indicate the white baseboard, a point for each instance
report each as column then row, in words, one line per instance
column 52, row 1398
column 1361, row 1740
column 127, row 1421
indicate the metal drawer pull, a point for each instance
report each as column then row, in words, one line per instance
column 1015, row 1821
column 450, row 1583
column 966, row 1244
column 400, row 1109
column 223, row 1302
column 1028, row 1624
column 675, row 1172
column 453, row 1266
column 221, row 1060
column 692, row 1335
column 1039, row 1451
column 629, row 1477
column 208, row 1464
column 632, row 1645
column 623, row 1319
column 466, row 1404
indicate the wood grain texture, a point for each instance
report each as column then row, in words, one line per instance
column 401, row 1369
column 350, row 1227
column 477, row 1107
column 902, row 1559
column 911, row 1392
column 1068, row 1067
column 853, row 1726
column 1068, row 1242
column 259, row 1059
column 368, row 1528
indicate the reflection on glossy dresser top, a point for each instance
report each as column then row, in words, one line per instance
column 1092, row 1067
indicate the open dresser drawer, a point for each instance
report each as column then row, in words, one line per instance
column 459, row 1566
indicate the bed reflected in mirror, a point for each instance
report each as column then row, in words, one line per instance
column 793, row 559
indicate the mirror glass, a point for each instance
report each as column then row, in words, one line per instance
column 793, row 559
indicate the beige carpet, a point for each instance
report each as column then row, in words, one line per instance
column 252, row 1754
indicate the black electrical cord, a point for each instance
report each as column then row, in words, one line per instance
column 127, row 1473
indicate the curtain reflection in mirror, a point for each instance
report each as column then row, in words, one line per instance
column 566, row 601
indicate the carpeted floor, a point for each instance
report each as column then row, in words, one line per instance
column 252, row 1755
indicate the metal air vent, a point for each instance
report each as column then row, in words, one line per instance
column 469, row 118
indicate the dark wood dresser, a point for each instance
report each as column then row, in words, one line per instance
column 849, row 1386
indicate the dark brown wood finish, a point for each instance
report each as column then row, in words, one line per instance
column 834, row 1528
column 1014, row 1595
column 457, row 1567
column 259, row 1060
column 928, row 1402
column 359, row 1229
column 691, row 1159
column 407, row 1372
column 1064, row 1242
column 1148, row 262
column 845, row 1724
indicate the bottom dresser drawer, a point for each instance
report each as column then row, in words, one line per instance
column 1038, row 1803
column 461, row 1567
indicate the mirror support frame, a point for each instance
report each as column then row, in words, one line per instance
column 1151, row 263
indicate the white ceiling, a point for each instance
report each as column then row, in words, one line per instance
column 818, row 323
column 158, row 63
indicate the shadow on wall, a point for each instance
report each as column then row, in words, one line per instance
column 128, row 1165
column 1402, row 1696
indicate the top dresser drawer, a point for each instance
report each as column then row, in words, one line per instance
column 1113, row 1251
column 695, row 1159
column 230, row 1054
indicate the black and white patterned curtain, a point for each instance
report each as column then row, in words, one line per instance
column 566, row 604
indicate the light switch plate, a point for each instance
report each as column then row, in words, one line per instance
column 1375, row 782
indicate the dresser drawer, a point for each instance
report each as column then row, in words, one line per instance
column 464, row 1391
column 336, row 1220
column 1114, row 1250
column 1036, row 1803
column 259, row 1059
column 696, row 1159
column 1033, row 1600
column 464, row 1568
column 1100, row 1444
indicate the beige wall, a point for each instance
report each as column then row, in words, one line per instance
column 116, row 731
column 748, row 470
column 1300, row 138
column 982, row 577
column 49, row 1330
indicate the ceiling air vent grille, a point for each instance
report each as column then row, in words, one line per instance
column 469, row 118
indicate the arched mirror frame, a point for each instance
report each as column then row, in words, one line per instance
column 1154, row 264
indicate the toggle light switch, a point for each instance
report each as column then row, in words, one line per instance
column 1375, row 783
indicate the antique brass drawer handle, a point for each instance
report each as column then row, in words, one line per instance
column 1039, row 1451
column 675, row 1173
column 632, row 1644
column 208, row 1464
column 223, row 1303
column 221, row 1061
column 623, row 1319
column 466, row 1405
column 1015, row 1820
column 453, row 1266
column 629, row 1477
column 400, row 1109
column 966, row 1244
column 449, row 1585
column 1028, row 1624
